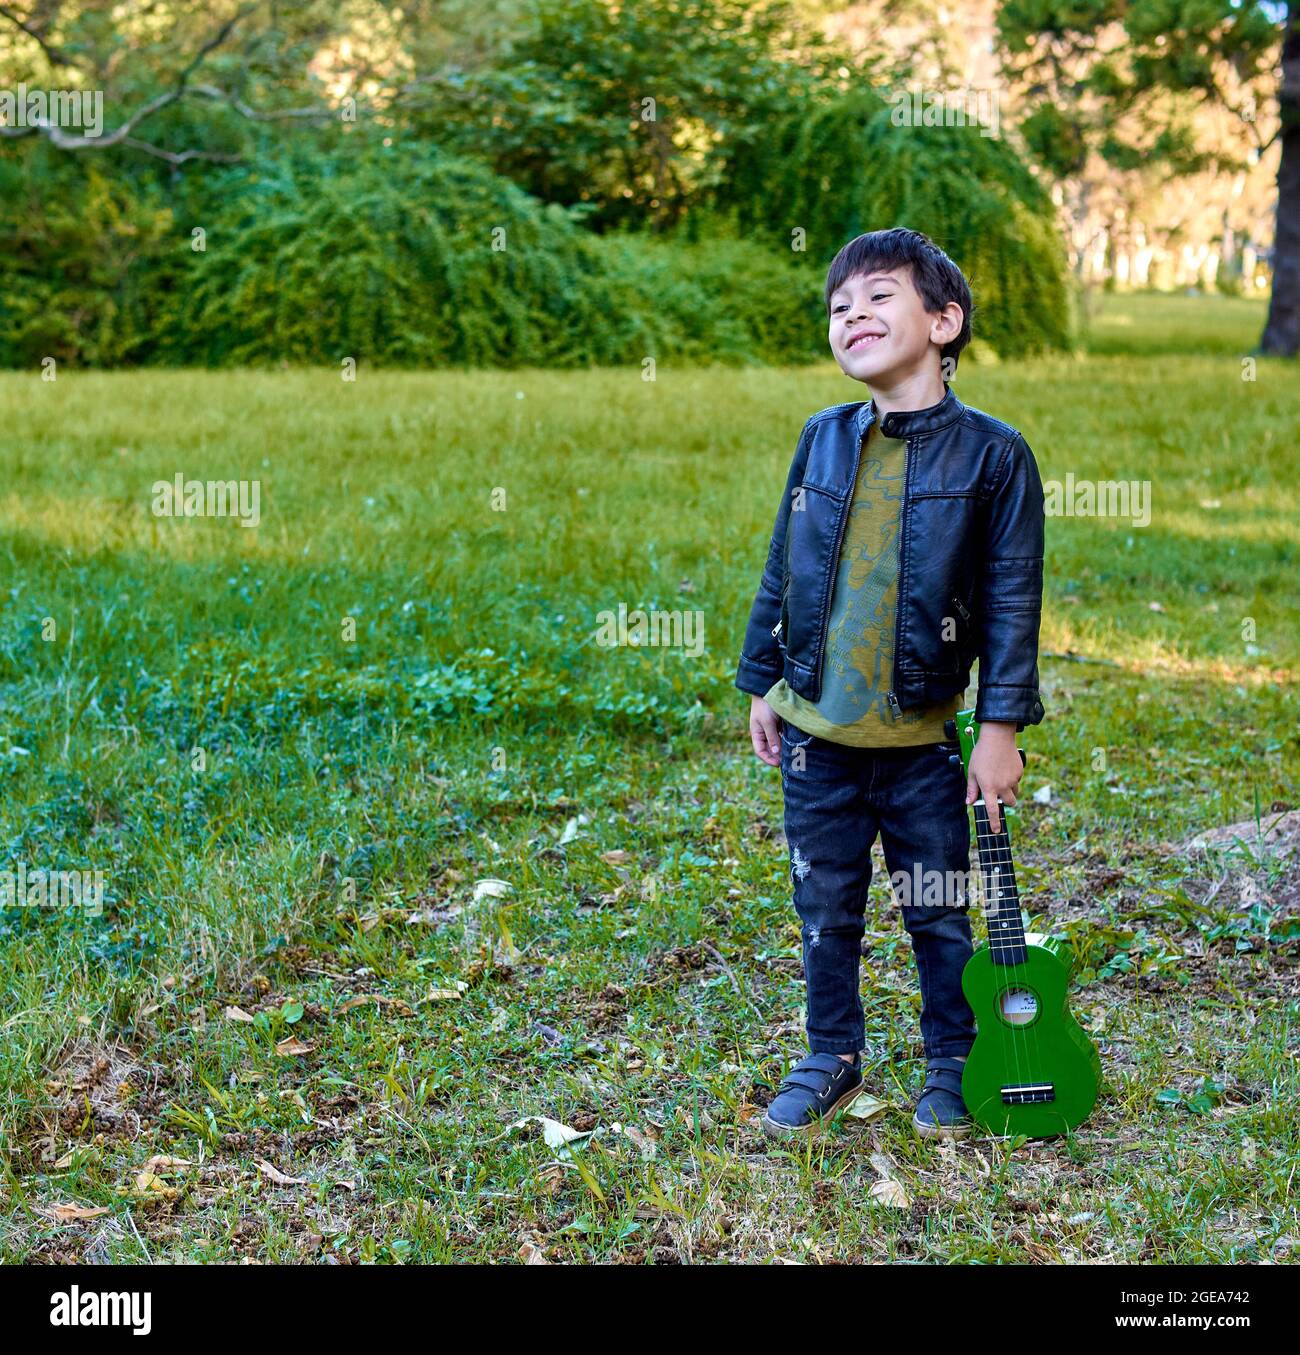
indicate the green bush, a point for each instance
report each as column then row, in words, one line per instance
column 84, row 259
column 710, row 300
column 398, row 256
column 392, row 262
column 841, row 168
column 404, row 256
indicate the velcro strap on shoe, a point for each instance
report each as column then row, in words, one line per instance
column 945, row 1074
column 824, row 1063
column 813, row 1082
column 816, row 1072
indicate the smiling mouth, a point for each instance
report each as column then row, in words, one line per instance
column 862, row 341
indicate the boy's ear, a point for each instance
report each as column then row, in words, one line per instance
column 949, row 322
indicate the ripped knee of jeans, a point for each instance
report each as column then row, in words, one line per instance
column 800, row 866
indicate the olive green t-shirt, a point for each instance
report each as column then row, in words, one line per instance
column 858, row 672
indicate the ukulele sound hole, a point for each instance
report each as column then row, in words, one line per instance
column 1019, row 1006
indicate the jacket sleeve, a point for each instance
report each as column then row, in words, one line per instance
column 1011, row 579
column 760, row 656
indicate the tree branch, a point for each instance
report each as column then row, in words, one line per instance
column 122, row 134
column 54, row 54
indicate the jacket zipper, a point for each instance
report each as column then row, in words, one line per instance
column 835, row 554
column 891, row 696
column 785, row 583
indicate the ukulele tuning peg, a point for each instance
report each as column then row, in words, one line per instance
column 954, row 760
column 950, row 729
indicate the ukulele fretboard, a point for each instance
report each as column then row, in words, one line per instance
column 1001, row 897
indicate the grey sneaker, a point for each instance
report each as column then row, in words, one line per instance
column 940, row 1110
column 811, row 1092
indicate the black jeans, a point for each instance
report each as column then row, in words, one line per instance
column 837, row 799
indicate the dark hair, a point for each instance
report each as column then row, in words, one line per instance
column 934, row 275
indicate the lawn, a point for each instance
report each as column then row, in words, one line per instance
column 406, row 874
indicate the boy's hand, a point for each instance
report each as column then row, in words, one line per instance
column 995, row 770
column 765, row 731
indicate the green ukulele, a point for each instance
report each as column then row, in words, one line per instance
column 1032, row 1070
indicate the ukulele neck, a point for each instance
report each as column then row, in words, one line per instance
column 1001, row 897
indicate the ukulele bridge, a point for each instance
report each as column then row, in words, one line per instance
column 1028, row 1093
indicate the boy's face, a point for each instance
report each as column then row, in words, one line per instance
column 880, row 331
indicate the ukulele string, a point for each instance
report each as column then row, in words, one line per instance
column 999, row 950
column 994, row 853
column 1001, row 854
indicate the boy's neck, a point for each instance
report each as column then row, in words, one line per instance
column 920, row 390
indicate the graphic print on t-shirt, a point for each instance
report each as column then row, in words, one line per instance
column 860, row 636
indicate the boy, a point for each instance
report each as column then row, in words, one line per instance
column 909, row 543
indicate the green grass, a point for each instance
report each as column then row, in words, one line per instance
column 1188, row 323
column 641, row 970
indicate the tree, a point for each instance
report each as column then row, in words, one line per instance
column 624, row 108
column 1282, row 332
column 1119, row 78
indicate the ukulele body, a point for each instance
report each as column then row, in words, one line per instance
column 1032, row 1069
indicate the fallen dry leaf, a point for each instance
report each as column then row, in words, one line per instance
column 492, row 889
column 292, row 1045
column 866, row 1108
column 161, row 1162
column 643, row 1143
column 150, row 1189
column 890, row 1193
column 616, row 858
column 236, row 1014
column 274, row 1174
column 72, row 1213
column 361, row 999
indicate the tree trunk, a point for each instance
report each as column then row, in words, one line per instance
column 1282, row 332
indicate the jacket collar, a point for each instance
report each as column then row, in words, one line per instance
column 906, row 423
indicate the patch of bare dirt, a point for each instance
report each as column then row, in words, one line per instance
column 94, row 1085
column 1277, row 832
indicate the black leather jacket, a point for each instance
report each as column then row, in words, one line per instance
column 970, row 579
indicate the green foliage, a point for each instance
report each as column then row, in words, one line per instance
column 844, row 167
column 527, row 209
column 83, row 260
column 387, row 257
column 397, row 255
column 1171, row 48
column 712, row 300
column 625, row 108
